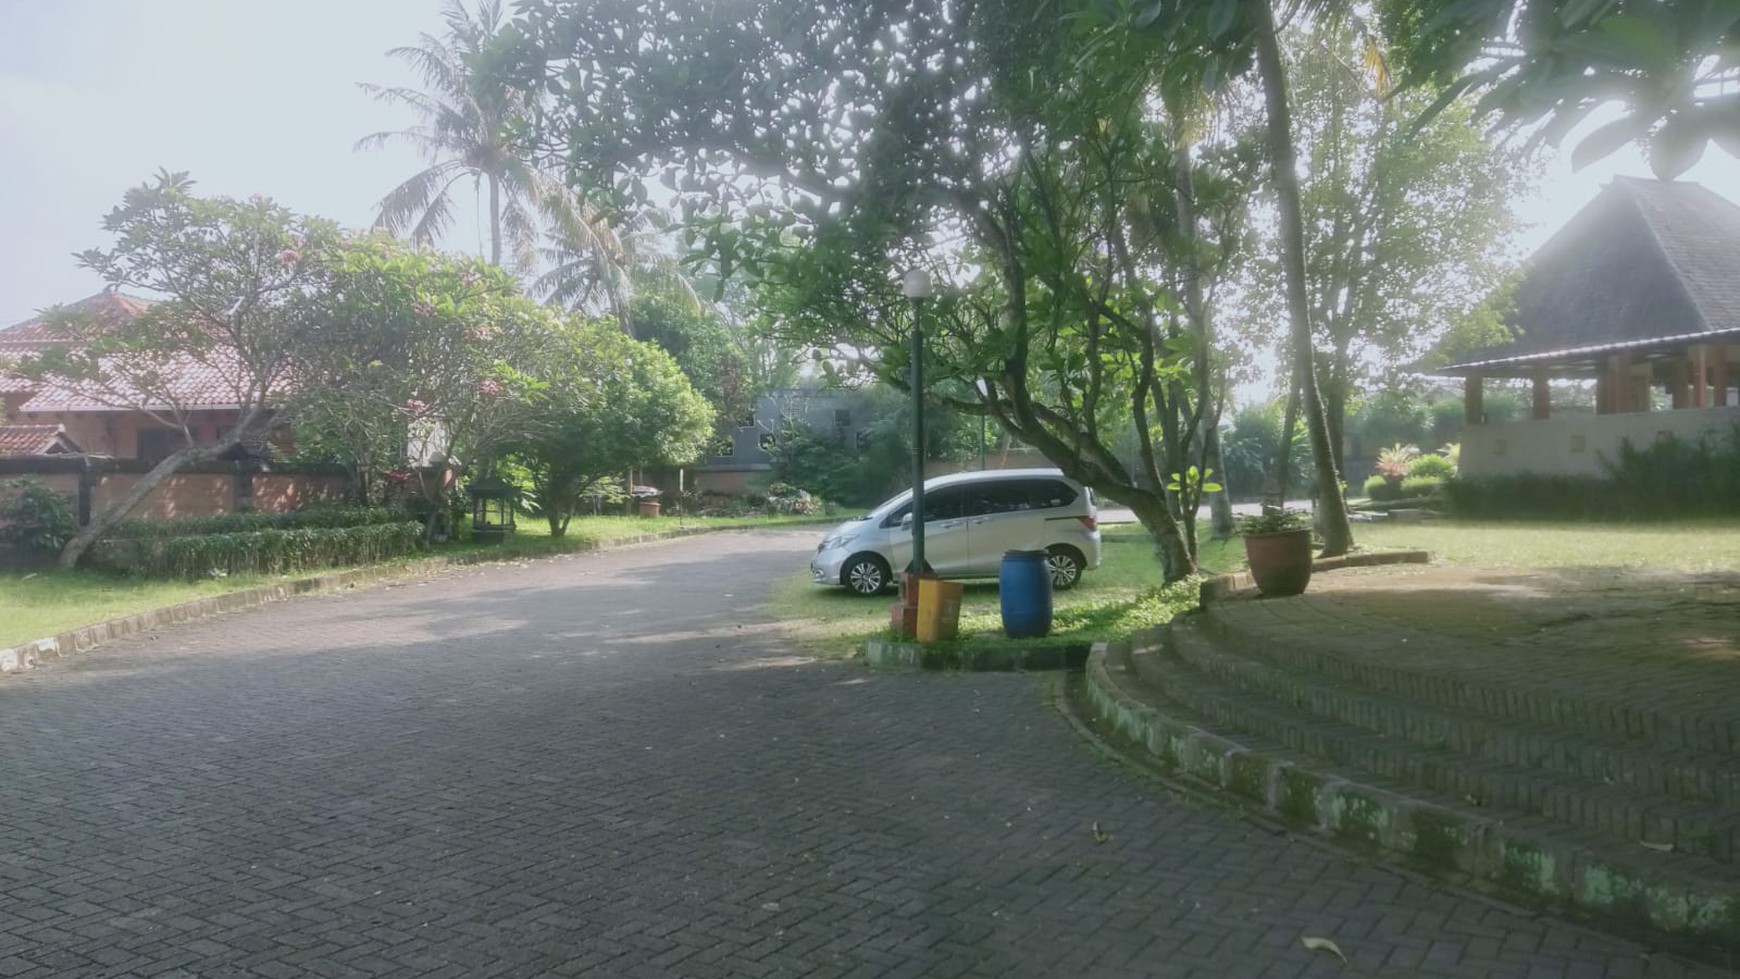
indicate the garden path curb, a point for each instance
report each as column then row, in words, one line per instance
column 883, row 654
column 1447, row 841
column 27, row 656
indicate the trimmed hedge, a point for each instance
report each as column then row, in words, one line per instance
column 316, row 517
column 1669, row 478
column 1432, row 466
column 1417, row 486
column 256, row 552
column 1378, row 489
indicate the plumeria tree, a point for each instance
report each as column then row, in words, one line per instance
column 234, row 276
column 425, row 361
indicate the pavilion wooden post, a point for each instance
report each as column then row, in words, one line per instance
column 1680, row 381
column 1473, row 400
column 1543, row 393
column 1619, row 384
column 1699, row 358
column 1719, row 375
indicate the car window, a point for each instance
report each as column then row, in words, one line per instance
column 948, row 503
column 998, row 496
column 1051, row 493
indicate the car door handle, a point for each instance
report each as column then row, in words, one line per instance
column 949, row 524
column 979, row 520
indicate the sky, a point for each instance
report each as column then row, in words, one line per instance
column 253, row 96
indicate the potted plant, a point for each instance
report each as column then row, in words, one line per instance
column 1278, row 547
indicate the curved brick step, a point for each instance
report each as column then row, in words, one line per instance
column 1626, row 817
column 1638, row 766
column 1672, row 898
column 1428, row 668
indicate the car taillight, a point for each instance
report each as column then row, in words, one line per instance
column 1088, row 522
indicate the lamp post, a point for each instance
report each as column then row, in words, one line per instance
column 916, row 286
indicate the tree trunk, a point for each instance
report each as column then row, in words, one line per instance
column 1176, row 563
column 1284, row 444
column 1219, row 504
column 1335, row 415
column 1331, row 504
column 103, row 522
column 494, row 221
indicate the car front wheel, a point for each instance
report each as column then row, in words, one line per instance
column 865, row 574
column 1065, row 564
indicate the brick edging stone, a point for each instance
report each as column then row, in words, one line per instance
column 885, row 654
column 1519, row 864
column 26, row 656
column 1222, row 587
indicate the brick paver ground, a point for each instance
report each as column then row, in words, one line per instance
column 603, row 766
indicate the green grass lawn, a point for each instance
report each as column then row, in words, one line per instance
column 1121, row 597
column 1692, row 545
column 1117, row 598
column 33, row 606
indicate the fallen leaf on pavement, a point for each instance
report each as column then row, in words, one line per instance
column 1324, row 945
column 1100, row 835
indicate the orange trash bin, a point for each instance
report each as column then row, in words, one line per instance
column 939, row 610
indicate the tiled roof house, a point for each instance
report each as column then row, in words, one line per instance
column 89, row 419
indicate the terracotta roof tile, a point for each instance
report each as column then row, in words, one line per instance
column 29, row 440
column 108, row 309
column 208, row 382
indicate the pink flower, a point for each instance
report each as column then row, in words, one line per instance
column 416, row 407
column 491, row 388
column 423, row 308
column 289, row 256
column 257, row 198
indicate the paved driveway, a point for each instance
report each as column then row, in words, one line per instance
column 610, row 766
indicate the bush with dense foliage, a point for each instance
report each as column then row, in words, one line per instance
column 1380, row 489
column 256, row 552
column 1668, row 478
column 1418, row 486
column 1435, row 466
column 34, row 518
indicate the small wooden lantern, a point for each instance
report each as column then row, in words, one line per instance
column 493, row 502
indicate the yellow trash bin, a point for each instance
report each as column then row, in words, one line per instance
column 939, row 610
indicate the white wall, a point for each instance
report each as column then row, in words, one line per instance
column 1575, row 445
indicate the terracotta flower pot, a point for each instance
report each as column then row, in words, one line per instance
column 1280, row 563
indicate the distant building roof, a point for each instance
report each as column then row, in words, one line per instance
column 1648, row 263
column 35, row 440
column 108, row 309
column 213, row 380
column 209, row 381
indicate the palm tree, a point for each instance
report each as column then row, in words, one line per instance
column 468, row 118
column 595, row 266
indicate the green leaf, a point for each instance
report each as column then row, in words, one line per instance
column 1610, row 137
column 1221, row 18
column 1677, row 147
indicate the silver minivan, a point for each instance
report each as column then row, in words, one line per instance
column 970, row 520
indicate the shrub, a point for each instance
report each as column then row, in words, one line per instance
column 315, row 517
column 1434, row 466
column 1393, row 462
column 256, row 552
column 1668, row 478
column 1417, row 486
column 34, row 518
column 1379, row 489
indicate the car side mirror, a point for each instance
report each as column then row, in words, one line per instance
column 906, row 522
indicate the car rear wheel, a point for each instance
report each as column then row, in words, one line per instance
column 1065, row 565
column 865, row 574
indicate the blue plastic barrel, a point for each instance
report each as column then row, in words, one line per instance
column 1024, row 586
